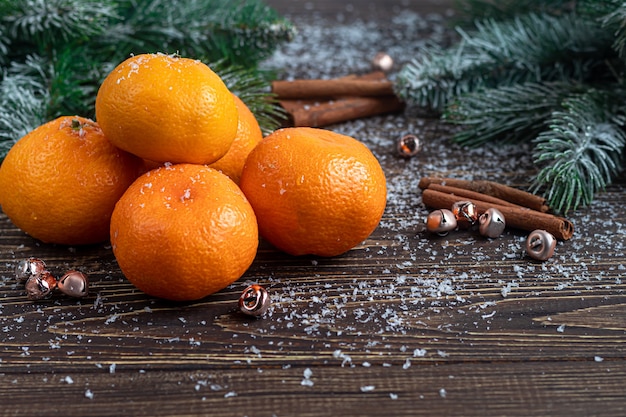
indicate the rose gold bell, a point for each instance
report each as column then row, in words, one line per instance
column 27, row 268
column 409, row 145
column 441, row 222
column 254, row 300
column 540, row 245
column 74, row 284
column 382, row 62
column 491, row 223
column 465, row 213
column 40, row 286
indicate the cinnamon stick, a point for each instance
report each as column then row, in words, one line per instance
column 516, row 217
column 315, row 114
column 337, row 87
column 463, row 193
column 494, row 189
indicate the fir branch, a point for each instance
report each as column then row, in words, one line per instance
column 582, row 151
column 531, row 48
column 596, row 9
column 507, row 9
column 249, row 24
column 616, row 22
column 252, row 88
column 54, row 54
column 73, row 80
column 510, row 113
column 44, row 23
column 23, row 107
column 243, row 31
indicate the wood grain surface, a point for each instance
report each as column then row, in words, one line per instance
column 405, row 324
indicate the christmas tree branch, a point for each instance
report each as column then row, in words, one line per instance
column 616, row 20
column 243, row 31
column 23, row 106
column 530, row 48
column 510, row 113
column 54, row 54
column 507, row 9
column 252, row 88
column 581, row 152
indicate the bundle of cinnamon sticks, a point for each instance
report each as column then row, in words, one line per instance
column 321, row 102
column 521, row 210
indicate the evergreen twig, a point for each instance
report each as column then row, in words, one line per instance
column 252, row 88
column 581, row 152
column 530, row 48
column 54, row 54
column 616, row 21
column 23, row 104
column 507, row 9
column 510, row 113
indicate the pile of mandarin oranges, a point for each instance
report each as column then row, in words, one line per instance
column 176, row 173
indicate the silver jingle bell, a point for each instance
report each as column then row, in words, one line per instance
column 74, row 284
column 491, row 223
column 540, row 245
column 30, row 267
column 40, row 286
column 254, row 300
column 441, row 222
column 408, row 146
column 465, row 213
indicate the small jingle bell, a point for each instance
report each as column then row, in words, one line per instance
column 441, row 222
column 408, row 146
column 465, row 213
column 540, row 245
column 254, row 301
column 74, row 284
column 491, row 223
column 30, row 267
column 382, row 62
column 40, row 286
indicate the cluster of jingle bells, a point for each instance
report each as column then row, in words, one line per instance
column 40, row 283
column 540, row 244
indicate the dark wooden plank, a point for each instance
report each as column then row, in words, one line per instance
column 470, row 389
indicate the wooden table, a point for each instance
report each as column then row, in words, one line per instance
column 404, row 324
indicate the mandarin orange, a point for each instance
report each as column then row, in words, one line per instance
column 182, row 232
column 60, row 182
column 167, row 109
column 314, row 191
column 248, row 136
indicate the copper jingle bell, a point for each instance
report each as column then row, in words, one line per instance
column 409, row 145
column 74, row 284
column 40, row 286
column 465, row 213
column 254, row 300
column 491, row 223
column 27, row 268
column 441, row 222
column 540, row 245
column 382, row 62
